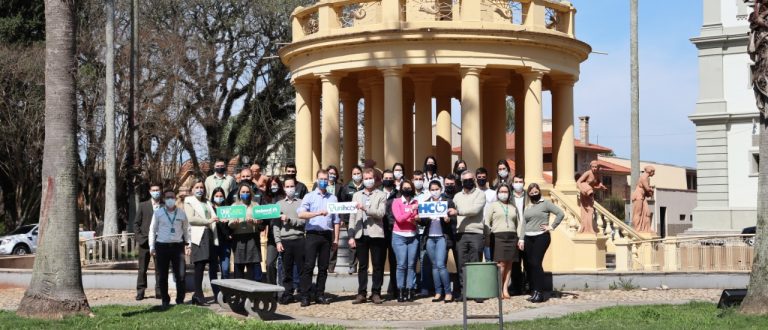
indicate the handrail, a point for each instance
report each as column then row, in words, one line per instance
column 603, row 214
column 625, row 230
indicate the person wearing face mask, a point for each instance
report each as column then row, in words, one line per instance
column 219, row 178
column 421, row 194
column 440, row 236
column 272, row 196
column 202, row 221
column 348, row 192
column 224, row 236
column 245, row 178
column 366, row 235
column 322, row 230
column 481, row 175
column 141, row 221
column 169, row 238
column 404, row 240
column 388, row 187
column 449, row 191
column 398, row 171
column 520, row 199
column 246, row 236
column 290, row 173
column 504, row 174
column 289, row 238
column 536, row 238
column 430, row 170
column 471, row 229
column 335, row 187
column 459, row 167
column 501, row 217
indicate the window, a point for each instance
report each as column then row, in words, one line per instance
column 754, row 162
column 682, row 217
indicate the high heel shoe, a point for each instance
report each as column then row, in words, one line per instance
column 538, row 298
column 448, row 299
column 533, row 295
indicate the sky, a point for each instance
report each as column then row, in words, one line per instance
column 668, row 76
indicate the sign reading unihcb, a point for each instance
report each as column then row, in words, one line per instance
column 231, row 212
column 342, row 208
column 433, row 209
column 269, row 211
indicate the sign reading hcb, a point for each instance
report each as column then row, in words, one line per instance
column 433, row 209
column 231, row 212
column 269, row 211
column 342, row 208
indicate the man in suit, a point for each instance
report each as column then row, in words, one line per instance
column 141, row 223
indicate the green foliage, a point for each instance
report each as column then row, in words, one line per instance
column 22, row 21
column 146, row 317
column 615, row 205
column 626, row 285
column 695, row 315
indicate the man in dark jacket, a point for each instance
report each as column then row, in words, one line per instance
column 141, row 224
column 388, row 186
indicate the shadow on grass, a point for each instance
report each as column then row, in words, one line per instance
column 153, row 309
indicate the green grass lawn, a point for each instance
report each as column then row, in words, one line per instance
column 148, row 317
column 696, row 315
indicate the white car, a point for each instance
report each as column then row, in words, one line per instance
column 21, row 241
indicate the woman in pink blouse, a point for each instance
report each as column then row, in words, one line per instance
column 404, row 240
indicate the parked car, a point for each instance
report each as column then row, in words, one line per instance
column 749, row 231
column 20, row 242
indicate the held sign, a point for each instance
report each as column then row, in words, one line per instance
column 231, row 212
column 269, row 211
column 342, row 208
column 433, row 209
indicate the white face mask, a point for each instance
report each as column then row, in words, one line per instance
column 357, row 177
column 503, row 174
column 435, row 194
column 290, row 192
column 155, row 194
column 170, row 202
column 398, row 174
column 275, row 189
column 518, row 187
column 419, row 184
column 503, row 197
column 218, row 200
column 368, row 183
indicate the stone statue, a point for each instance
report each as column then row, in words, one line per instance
column 641, row 214
column 758, row 52
column 587, row 184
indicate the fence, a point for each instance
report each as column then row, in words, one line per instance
column 110, row 250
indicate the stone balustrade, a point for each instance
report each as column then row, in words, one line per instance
column 335, row 17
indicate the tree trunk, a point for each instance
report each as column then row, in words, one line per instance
column 756, row 301
column 110, row 202
column 56, row 289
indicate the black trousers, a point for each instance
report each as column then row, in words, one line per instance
column 141, row 279
column 293, row 255
column 317, row 249
column 377, row 247
column 271, row 261
column 469, row 247
column 457, row 282
column 392, row 263
column 249, row 273
column 171, row 254
column 535, row 248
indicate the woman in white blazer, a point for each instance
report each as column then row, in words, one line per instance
column 202, row 220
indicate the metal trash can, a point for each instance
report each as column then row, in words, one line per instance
column 482, row 281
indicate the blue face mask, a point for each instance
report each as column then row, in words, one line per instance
column 322, row 184
column 155, row 194
column 245, row 196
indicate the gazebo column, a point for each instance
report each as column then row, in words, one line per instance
column 423, row 140
column 443, row 134
column 367, row 120
column 518, row 96
column 377, row 129
column 471, row 136
column 317, row 142
column 562, row 138
column 534, row 146
column 349, row 102
column 408, row 126
column 331, row 133
column 303, row 149
column 494, row 124
column 393, row 114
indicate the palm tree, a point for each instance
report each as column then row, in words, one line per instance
column 56, row 289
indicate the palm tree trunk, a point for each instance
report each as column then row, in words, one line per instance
column 56, row 289
column 756, row 301
column 110, row 202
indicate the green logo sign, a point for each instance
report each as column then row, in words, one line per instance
column 231, row 212
column 269, row 211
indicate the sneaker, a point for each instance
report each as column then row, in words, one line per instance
column 359, row 299
column 376, row 298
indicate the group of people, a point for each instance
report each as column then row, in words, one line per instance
column 501, row 221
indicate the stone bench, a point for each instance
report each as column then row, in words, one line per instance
column 241, row 295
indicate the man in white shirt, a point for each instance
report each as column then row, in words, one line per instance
column 219, row 178
column 169, row 238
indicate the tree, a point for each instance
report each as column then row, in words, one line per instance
column 110, row 200
column 756, row 301
column 22, row 21
column 56, row 288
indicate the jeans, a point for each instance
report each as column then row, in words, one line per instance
column 223, row 251
column 438, row 255
column 405, row 252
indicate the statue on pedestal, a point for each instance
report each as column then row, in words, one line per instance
column 641, row 214
column 587, row 184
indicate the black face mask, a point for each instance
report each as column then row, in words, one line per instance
column 460, row 170
column 388, row 183
column 468, row 184
column 407, row 193
column 450, row 190
column 535, row 198
column 289, row 176
column 482, row 182
column 431, row 168
column 220, row 170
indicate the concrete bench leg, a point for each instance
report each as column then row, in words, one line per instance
column 231, row 299
column 261, row 305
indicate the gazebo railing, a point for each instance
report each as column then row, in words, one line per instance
column 106, row 250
